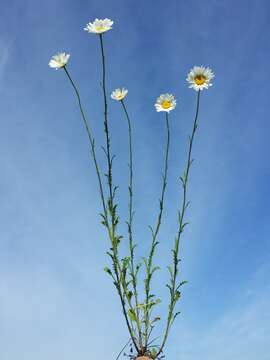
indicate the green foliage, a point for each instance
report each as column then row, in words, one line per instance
column 132, row 315
column 108, row 271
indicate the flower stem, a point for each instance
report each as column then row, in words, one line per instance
column 173, row 287
column 106, row 127
column 111, row 206
column 105, row 217
column 155, row 232
column 92, row 144
column 130, row 224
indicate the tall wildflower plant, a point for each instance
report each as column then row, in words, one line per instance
column 137, row 306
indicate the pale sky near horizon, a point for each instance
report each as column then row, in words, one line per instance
column 55, row 300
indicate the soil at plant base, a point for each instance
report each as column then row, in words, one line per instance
column 144, row 358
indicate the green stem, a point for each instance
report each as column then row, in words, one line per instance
column 106, row 127
column 174, row 288
column 130, row 224
column 111, row 206
column 92, row 144
column 93, row 153
column 156, row 231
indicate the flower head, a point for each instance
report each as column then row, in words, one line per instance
column 200, row 77
column 119, row 94
column 99, row 26
column 165, row 102
column 59, row 60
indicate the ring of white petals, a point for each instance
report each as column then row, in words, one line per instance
column 119, row 94
column 165, row 102
column 59, row 60
column 200, row 77
column 99, row 26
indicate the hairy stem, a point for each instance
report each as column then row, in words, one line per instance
column 92, row 144
column 156, row 231
column 174, row 293
column 130, row 224
column 106, row 126
column 111, row 206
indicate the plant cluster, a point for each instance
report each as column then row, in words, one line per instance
column 138, row 308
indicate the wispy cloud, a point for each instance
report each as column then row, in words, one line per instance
column 242, row 332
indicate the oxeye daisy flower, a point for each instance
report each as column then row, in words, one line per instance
column 165, row 102
column 59, row 60
column 119, row 94
column 200, row 77
column 99, row 26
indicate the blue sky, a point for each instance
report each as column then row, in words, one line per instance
column 55, row 300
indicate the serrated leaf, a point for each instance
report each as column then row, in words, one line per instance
column 177, row 295
column 155, row 319
column 108, row 270
column 129, row 295
column 182, row 283
column 131, row 314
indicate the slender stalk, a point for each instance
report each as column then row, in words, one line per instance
column 105, row 217
column 156, row 231
column 125, row 314
column 130, row 224
column 92, row 144
column 174, row 293
column 106, row 126
column 111, row 206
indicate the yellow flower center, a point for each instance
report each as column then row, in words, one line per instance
column 100, row 28
column 200, row 79
column 166, row 104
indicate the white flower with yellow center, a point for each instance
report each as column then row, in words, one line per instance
column 165, row 102
column 59, row 60
column 119, row 94
column 99, row 26
column 200, row 77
